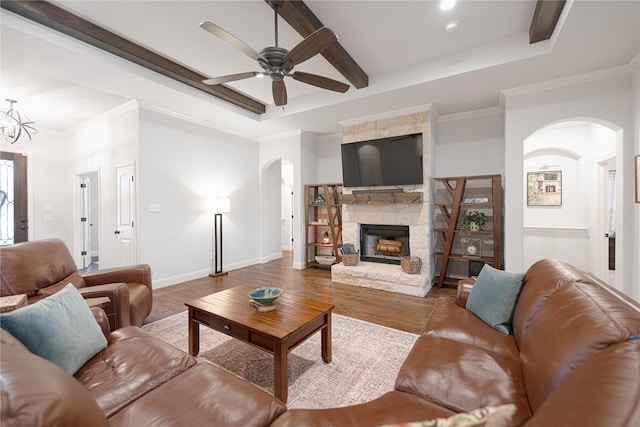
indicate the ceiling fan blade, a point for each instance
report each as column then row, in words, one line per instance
column 231, row 39
column 312, row 45
column 279, row 92
column 230, row 78
column 319, row 81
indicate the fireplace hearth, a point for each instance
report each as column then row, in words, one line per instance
column 384, row 243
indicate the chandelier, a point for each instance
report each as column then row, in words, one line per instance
column 16, row 127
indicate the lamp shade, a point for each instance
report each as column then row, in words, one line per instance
column 218, row 205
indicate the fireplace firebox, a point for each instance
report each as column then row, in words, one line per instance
column 384, row 243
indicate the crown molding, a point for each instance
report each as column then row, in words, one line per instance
column 569, row 81
column 116, row 111
column 194, row 120
column 491, row 111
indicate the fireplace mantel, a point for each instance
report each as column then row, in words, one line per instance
column 382, row 198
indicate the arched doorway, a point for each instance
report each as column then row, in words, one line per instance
column 279, row 209
column 569, row 208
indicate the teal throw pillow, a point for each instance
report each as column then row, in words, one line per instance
column 59, row 328
column 494, row 296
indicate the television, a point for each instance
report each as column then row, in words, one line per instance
column 391, row 161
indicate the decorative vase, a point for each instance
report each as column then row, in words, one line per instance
column 474, row 226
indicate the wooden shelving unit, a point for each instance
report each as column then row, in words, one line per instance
column 454, row 196
column 323, row 222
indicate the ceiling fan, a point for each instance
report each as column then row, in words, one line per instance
column 277, row 62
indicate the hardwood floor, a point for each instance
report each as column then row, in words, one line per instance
column 398, row 311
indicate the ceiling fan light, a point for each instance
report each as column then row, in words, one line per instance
column 447, row 4
column 451, row 26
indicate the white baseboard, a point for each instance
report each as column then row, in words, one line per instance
column 271, row 257
column 174, row 280
column 198, row 274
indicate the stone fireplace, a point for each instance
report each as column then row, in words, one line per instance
column 408, row 210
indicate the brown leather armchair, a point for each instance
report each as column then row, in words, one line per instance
column 43, row 267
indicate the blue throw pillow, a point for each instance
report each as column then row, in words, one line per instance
column 59, row 328
column 494, row 296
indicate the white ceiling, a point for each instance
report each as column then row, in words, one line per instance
column 402, row 45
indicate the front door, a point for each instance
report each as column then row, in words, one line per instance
column 125, row 216
column 14, row 226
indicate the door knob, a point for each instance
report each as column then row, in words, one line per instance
column 116, row 232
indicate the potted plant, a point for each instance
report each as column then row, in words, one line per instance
column 473, row 221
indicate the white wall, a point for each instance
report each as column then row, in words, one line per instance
column 604, row 98
column 299, row 148
column 329, row 159
column 470, row 144
column 573, row 231
column 54, row 160
column 48, row 184
column 181, row 165
column 102, row 144
column 272, row 214
column 306, row 175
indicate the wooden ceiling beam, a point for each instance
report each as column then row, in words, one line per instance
column 297, row 14
column 545, row 19
column 65, row 22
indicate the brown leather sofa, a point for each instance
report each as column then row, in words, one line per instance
column 573, row 359
column 43, row 267
column 138, row 380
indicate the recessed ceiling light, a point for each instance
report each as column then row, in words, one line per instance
column 447, row 4
column 451, row 26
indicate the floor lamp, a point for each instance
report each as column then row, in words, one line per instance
column 217, row 206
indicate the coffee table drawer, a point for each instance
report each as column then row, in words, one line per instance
column 221, row 325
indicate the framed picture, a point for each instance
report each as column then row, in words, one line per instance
column 637, row 174
column 544, row 188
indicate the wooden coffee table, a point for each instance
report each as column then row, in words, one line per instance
column 278, row 332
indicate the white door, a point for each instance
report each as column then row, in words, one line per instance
column 85, row 219
column 125, row 216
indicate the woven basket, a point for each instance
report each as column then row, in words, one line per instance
column 350, row 259
column 411, row 265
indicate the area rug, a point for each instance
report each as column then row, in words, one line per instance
column 366, row 360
